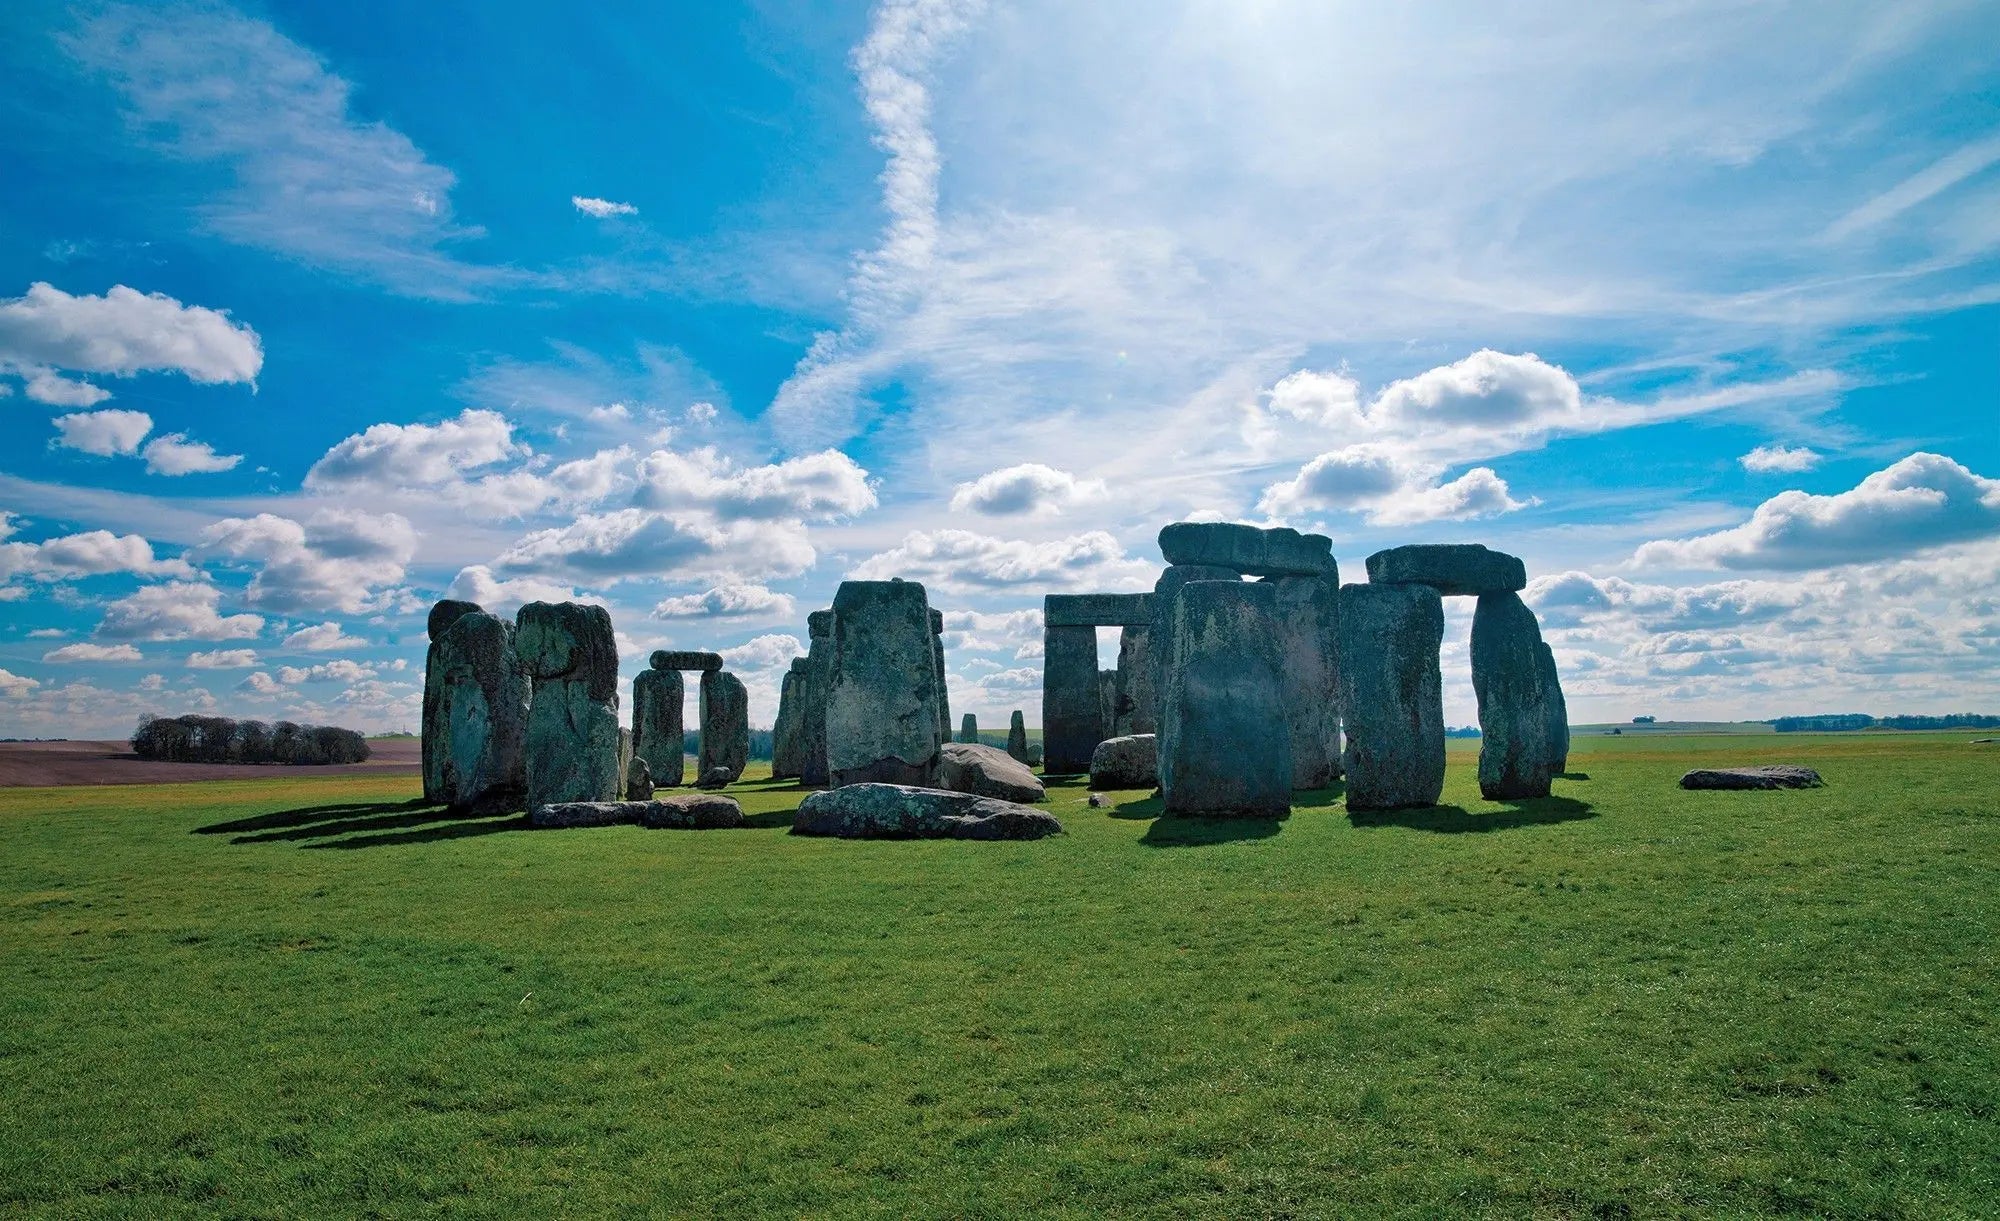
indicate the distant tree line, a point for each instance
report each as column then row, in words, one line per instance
column 1847, row 721
column 221, row 739
column 760, row 743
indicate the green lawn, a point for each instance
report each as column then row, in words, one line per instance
column 290, row 998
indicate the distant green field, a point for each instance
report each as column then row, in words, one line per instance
column 293, row 997
column 1674, row 728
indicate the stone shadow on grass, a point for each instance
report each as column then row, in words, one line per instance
column 1201, row 832
column 1453, row 820
column 368, row 823
column 307, row 815
column 461, row 829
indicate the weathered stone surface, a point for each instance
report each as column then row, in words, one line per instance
column 1130, row 762
column 984, row 771
column 882, row 708
column 1098, row 801
column 968, row 730
column 1072, row 709
column 1017, row 737
column 638, row 780
column 1768, row 776
column 448, row 611
column 1160, row 636
column 1223, row 747
column 725, row 725
column 788, row 731
column 567, row 652
column 819, row 677
column 476, row 717
column 1463, row 569
column 1135, row 706
column 625, row 757
column 896, row 811
column 1514, row 760
column 1097, row 610
column 443, row 615
column 1248, row 550
column 658, row 735
column 1558, row 710
column 1107, row 702
column 943, row 694
column 686, row 659
column 561, row 815
column 1309, row 642
column 1392, row 695
column 692, row 812
column 714, row 778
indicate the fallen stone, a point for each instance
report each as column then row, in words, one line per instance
column 686, row 659
column 1309, row 642
column 562, row 815
column 1463, row 569
column 896, row 811
column 1514, row 741
column 1392, row 695
column 692, row 812
column 725, row 725
column 1099, row 801
column 881, row 707
column 568, row 653
column 638, row 780
column 984, row 771
column 1017, row 737
column 1248, row 550
column 968, row 730
column 1767, row 776
column 714, row 778
column 1223, row 748
column 657, row 733
column 1131, row 762
column 1097, row 610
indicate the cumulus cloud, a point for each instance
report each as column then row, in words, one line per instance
column 1018, row 632
column 1391, row 489
column 59, row 391
column 260, row 683
column 174, row 454
column 177, row 610
column 476, row 583
column 726, row 602
column 222, row 659
column 764, row 652
column 323, row 637
column 336, row 560
column 341, row 670
column 1029, row 489
column 1766, row 459
column 823, row 485
column 14, row 686
column 415, row 455
column 601, row 208
column 105, row 433
column 1924, row 501
column 961, row 561
column 125, row 332
column 93, row 652
column 91, row 553
column 633, row 543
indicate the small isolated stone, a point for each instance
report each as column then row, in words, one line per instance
column 986, row 771
column 1769, row 776
column 1130, row 762
column 638, row 781
column 714, row 778
column 1099, row 801
column 897, row 811
column 692, row 812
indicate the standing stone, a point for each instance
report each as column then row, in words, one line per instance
column 443, row 614
column 943, row 697
column 819, row 679
column 881, row 705
column 1558, row 709
column 567, row 651
column 1136, row 708
column 1514, row 754
column 638, row 780
column 1392, row 695
column 1160, row 634
column 787, row 732
column 1309, row 640
column 1223, row 748
column 1072, row 711
column 968, row 728
column 624, row 759
column 480, row 723
column 1017, row 736
column 1107, row 703
column 725, row 725
column 658, row 737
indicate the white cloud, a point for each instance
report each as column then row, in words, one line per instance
column 822, row 485
column 260, row 683
column 416, row 455
column 177, row 610
column 960, row 561
column 92, row 652
column 1392, row 490
column 125, row 332
column 726, row 602
column 174, row 454
column 105, row 433
column 477, row 583
column 336, row 560
column 1769, row 458
column 222, row 659
column 91, row 553
column 153, row 682
column 323, row 637
column 601, row 208
column 14, row 686
column 1027, row 489
column 764, row 652
column 59, row 391
column 1924, row 501
column 341, row 670
column 633, row 543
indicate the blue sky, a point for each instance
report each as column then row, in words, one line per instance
column 312, row 314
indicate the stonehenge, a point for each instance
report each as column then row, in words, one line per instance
column 566, row 651
column 937, row 657
column 1463, row 569
column 968, row 728
column 882, row 707
column 812, row 719
column 1308, row 620
column 475, row 711
column 657, row 735
column 1557, row 709
column 788, row 731
column 1224, row 749
column 1017, row 737
column 1514, row 741
column 1392, row 695
column 1073, row 697
column 1131, row 762
column 725, row 725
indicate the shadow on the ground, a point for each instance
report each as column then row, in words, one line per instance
column 306, row 815
column 1200, row 832
column 773, row 818
column 365, row 824
column 456, row 829
column 1451, row 820
column 1572, row 775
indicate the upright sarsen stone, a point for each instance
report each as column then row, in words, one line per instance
column 568, row 654
column 882, row 705
column 658, row 735
column 1136, row 708
column 943, row 696
column 1514, row 754
column 788, row 732
column 1558, row 710
column 819, row 679
column 1072, row 713
column 1392, row 695
column 443, row 614
column 482, row 720
column 968, row 728
column 725, row 725
column 1309, row 641
column 1160, row 634
column 1017, row 737
column 1223, row 747
column 1107, row 703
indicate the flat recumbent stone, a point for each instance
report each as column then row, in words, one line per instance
column 1453, row 569
column 1248, row 550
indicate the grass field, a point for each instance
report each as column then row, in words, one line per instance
column 285, row 998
